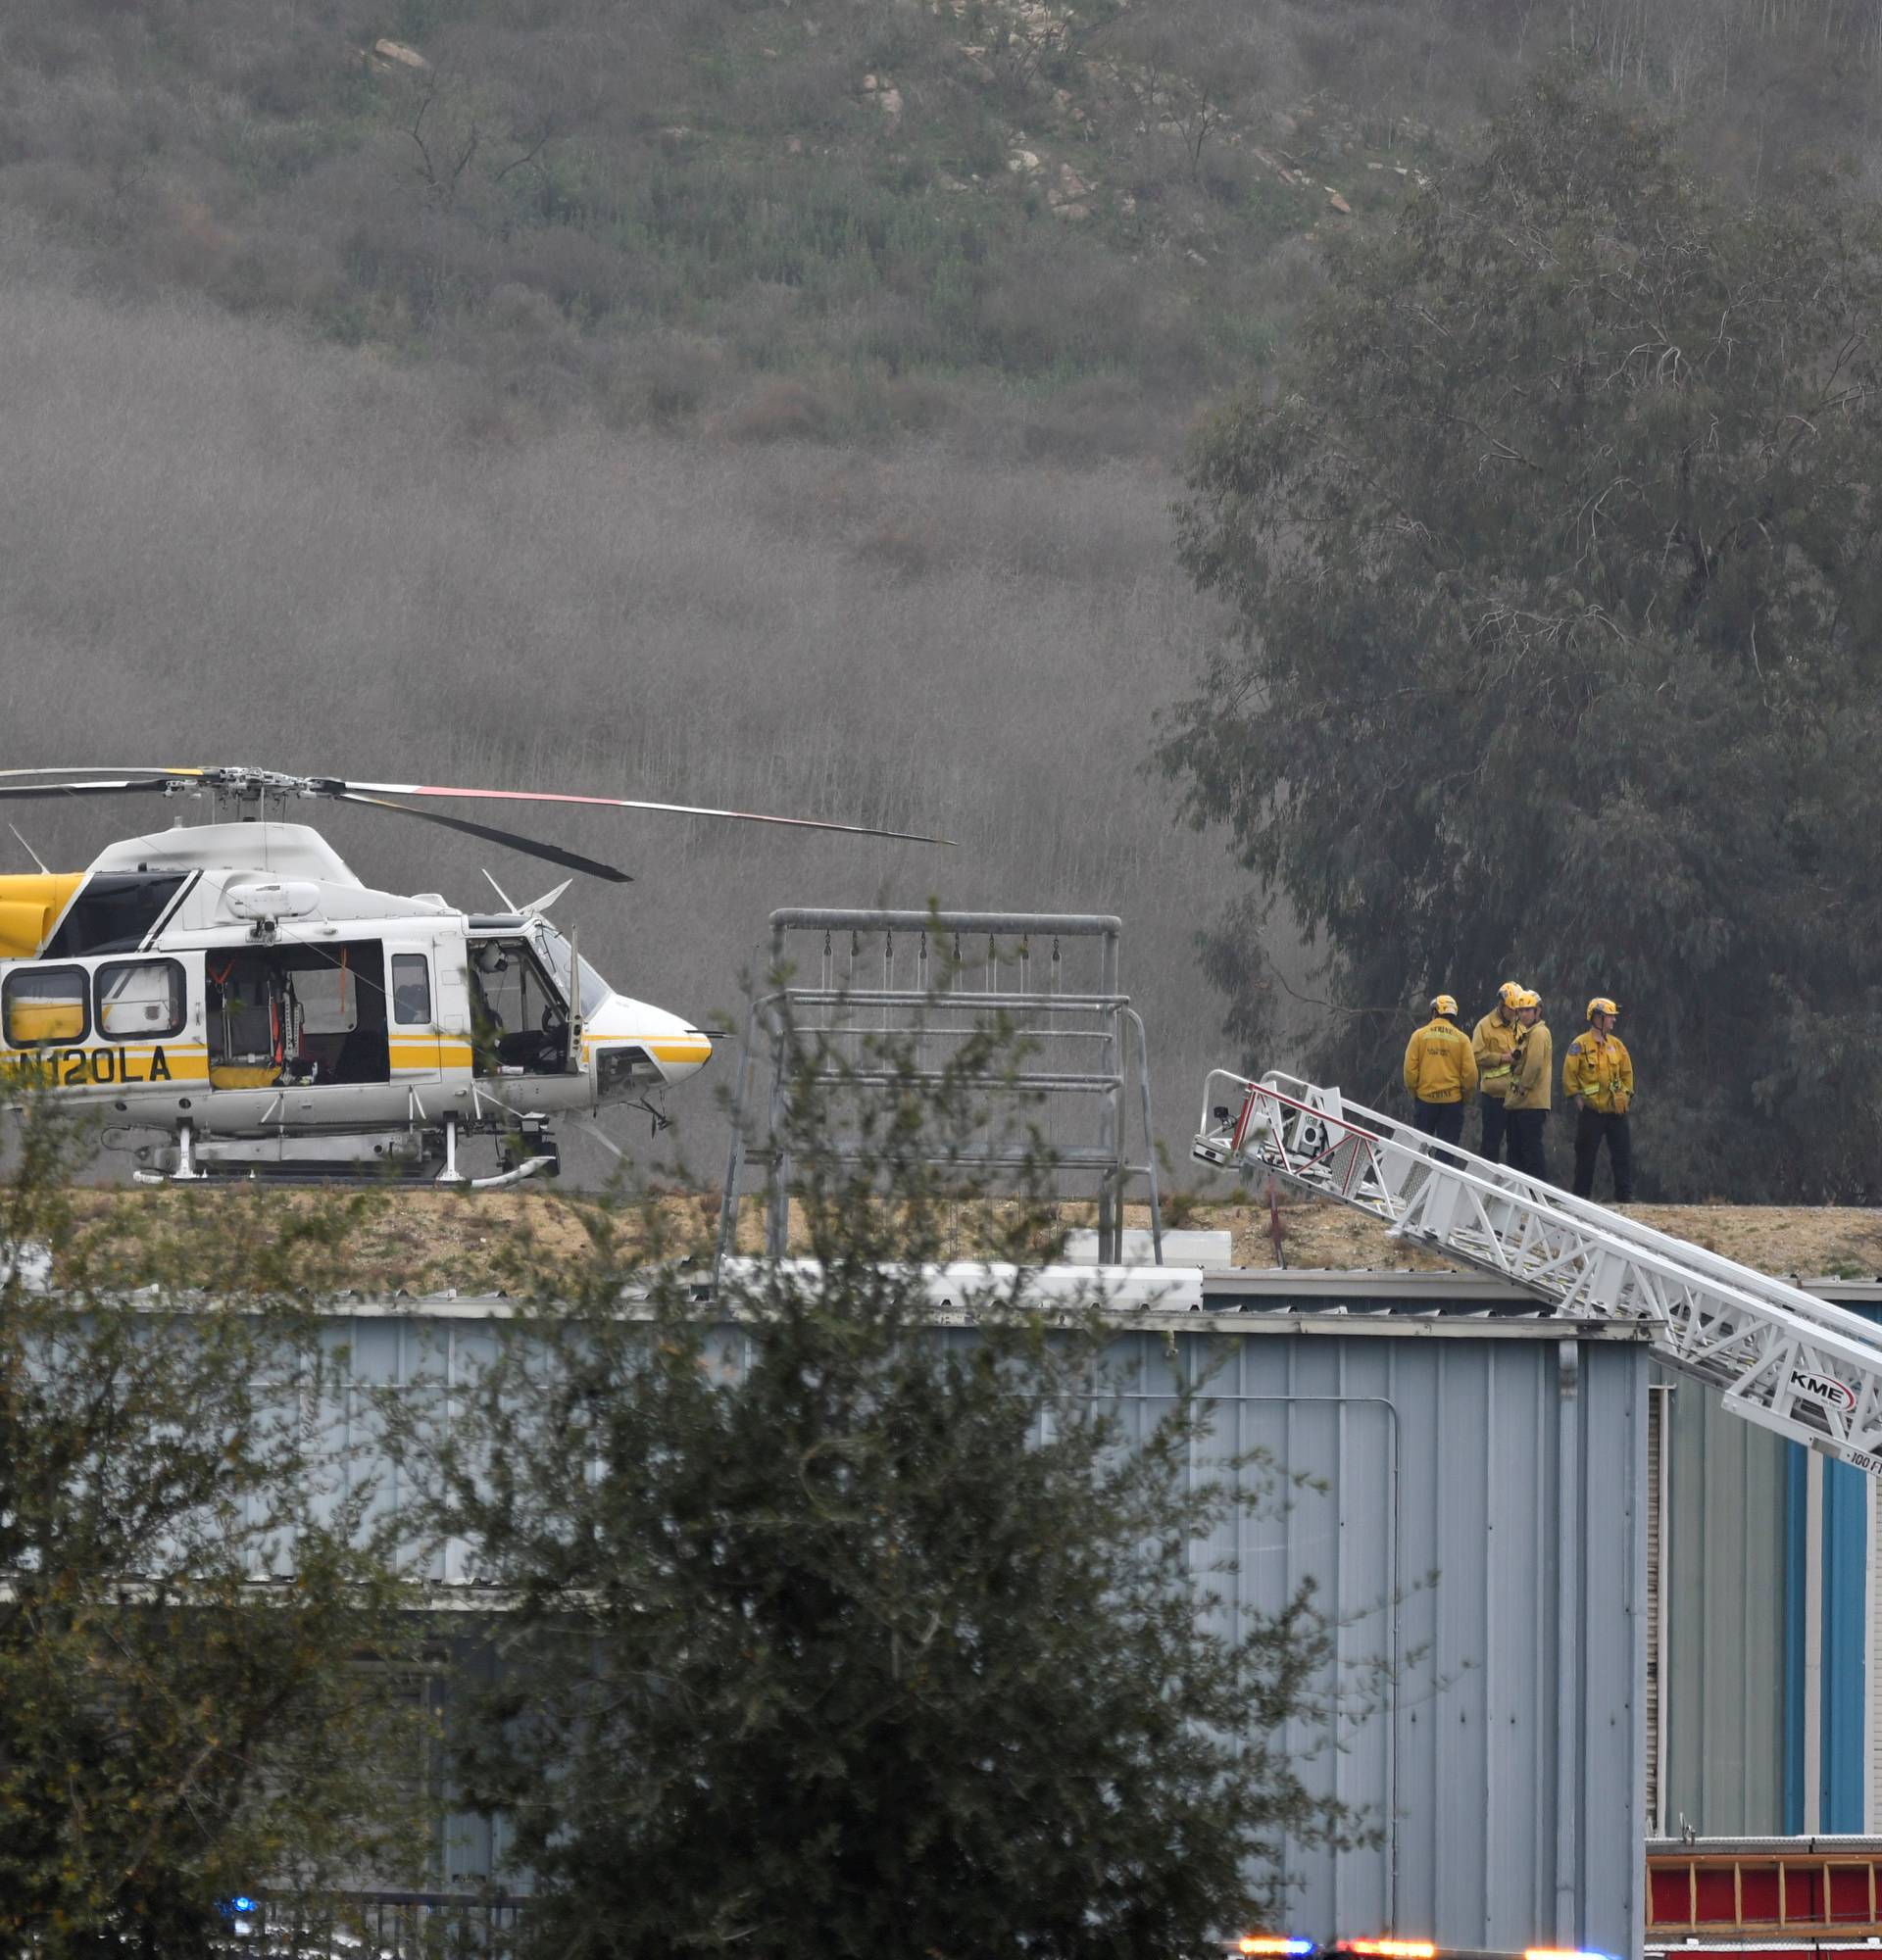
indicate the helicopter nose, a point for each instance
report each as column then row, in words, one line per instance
column 635, row 1047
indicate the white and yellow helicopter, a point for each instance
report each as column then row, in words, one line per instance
column 233, row 987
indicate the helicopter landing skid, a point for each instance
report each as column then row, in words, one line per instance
column 532, row 1167
column 531, row 1134
column 336, row 1174
column 378, row 1157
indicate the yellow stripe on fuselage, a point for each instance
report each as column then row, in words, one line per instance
column 681, row 1050
column 696, row 1049
column 430, row 1052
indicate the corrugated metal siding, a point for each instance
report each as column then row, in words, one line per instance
column 1724, row 1592
column 1658, row 1420
column 1771, row 1629
column 1429, row 1520
column 1502, row 1758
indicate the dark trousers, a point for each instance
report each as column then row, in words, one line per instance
column 1496, row 1121
column 1590, row 1129
column 1525, row 1141
column 1443, row 1120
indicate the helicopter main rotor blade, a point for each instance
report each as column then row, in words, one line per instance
column 554, row 853
column 259, row 782
column 636, row 802
column 101, row 768
column 111, row 786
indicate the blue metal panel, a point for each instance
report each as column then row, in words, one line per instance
column 1846, row 1530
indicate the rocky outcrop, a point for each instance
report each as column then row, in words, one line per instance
column 386, row 55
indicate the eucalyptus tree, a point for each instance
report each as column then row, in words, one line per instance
column 1553, row 564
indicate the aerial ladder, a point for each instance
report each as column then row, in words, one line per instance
column 1785, row 1359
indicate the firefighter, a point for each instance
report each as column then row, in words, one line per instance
column 1494, row 1044
column 1440, row 1072
column 1598, row 1079
column 1532, row 1076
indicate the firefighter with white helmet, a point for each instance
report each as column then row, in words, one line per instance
column 1440, row 1072
column 1531, row 1079
column 1598, row 1079
column 1494, row 1044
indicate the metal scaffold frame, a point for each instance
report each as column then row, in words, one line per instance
column 921, row 992
column 1785, row 1359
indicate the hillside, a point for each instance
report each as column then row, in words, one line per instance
column 749, row 403
column 828, row 222
column 772, row 220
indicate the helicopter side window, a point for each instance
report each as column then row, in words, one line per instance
column 410, row 990
column 141, row 999
column 44, row 1007
column 328, row 998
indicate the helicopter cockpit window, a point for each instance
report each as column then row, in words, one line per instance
column 141, row 999
column 45, row 1005
column 520, row 1018
column 556, row 951
column 117, row 911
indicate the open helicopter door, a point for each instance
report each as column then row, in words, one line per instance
column 282, row 1014
column 519, row 1017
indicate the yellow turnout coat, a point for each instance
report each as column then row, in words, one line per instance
column 1439, row 1066
column 1599, row 1069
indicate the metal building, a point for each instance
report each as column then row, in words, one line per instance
column 1473, row 1511
column 1762, row 1636
column 1772, row 1595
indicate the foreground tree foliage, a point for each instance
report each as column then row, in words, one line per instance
column 1556, row 565
column 200, row 1649
column 835, row 1632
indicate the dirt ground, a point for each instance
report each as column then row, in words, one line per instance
column 427, row 1242
column 1830, row 1241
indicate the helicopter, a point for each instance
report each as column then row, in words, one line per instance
column 235, row 1002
